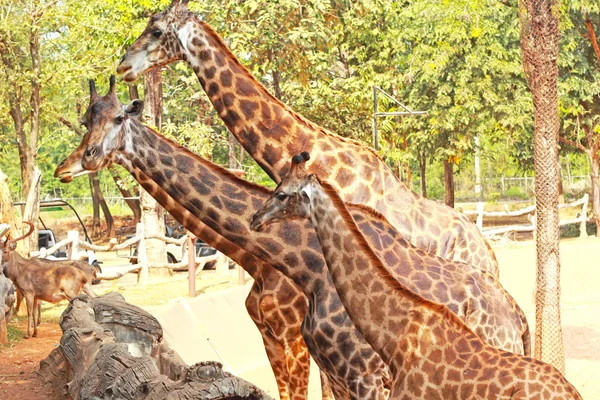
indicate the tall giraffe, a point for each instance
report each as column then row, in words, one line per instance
column 430, row 352
column 272, row 133
column 477, row 297
column 225, row 203
column 275, row 304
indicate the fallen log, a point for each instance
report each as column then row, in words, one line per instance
column 111, row 349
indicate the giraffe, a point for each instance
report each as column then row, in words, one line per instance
column 208, row 194
column 476, row 296
column 271, row 132
column 225, row 203
column 275, row 304
column 429, row 350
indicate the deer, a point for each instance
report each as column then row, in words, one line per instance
column 54, row 282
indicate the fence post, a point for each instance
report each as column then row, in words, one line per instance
column 142, row 257
column 583, row 225
column 73, row 252
column 191, row 245
column 479, row 221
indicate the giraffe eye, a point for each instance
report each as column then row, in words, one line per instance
column 119, row 120
column 281, row 196
column 156, row 33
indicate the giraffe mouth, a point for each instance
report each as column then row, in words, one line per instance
column 68, row 176
column 257, row 225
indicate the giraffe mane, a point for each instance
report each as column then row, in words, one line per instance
column 375, row 261
column 213, row 34
column 370, row 211
column 208, row 164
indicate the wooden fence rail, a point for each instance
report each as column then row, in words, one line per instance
column 480, row 213
column 193, row 264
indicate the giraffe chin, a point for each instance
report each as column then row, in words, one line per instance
column 257, row 226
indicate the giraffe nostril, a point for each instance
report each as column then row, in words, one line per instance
column 91, row 151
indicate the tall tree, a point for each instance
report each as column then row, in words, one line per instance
column 540, row 44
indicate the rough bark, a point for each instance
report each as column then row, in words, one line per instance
column 111, row 349
column 95, row 207
column 540, row 35
column 231, row 144
column 449, row 183
column 97, row 193
column 32, row 211
column 423, row 166
column 152, row 212
column 35, row 100
column 7, row 215
column 594, row 173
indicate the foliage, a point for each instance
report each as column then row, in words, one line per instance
column 459, row 60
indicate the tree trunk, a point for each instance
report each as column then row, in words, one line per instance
column 34, row 124
column 95, row 207
column 134, row 204
column 7, row 215
column 112, row 347
column 539, row 45
column 231, row 143
column 15, row 97
column 276, row 84
column 594, row 172
column 110, row 226
column 561, row 189
column 31, row 212
column 423, row 167
column 449, row 183
column 152, row 212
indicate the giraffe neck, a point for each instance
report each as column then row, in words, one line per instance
column 378, row 305
column 223, row 202
column 269, row 130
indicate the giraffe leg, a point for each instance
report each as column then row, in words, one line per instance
column 297, row 361
column 274, row 346
column 276, row 354
column 326, row 392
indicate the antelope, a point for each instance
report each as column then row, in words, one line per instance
column 54, row 282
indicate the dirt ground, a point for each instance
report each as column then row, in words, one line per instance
column 580, row 285
column 22, row 357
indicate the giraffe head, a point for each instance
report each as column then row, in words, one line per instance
column 105, row 120
column 291, row 199
column 159, row 44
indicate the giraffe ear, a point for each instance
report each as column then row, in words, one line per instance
column 135, row 108
column 306, row 193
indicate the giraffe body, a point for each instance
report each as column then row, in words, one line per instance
column 271, row 133
column 430, row 352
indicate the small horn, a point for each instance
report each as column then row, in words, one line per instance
column 31, row 228
column 113, row 87
column 300, row 158
column 93, row 92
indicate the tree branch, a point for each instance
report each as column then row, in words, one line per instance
column 592, row 36
column 70, row 125
column 572, row 143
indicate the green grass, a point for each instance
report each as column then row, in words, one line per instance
column 15, row 335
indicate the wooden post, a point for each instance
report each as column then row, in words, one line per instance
column 241, row 275
column 583, row 225
column 73, row 253
column 142, row 256
column 479, row 222
column 192, row 264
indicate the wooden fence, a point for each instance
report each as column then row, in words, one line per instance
column 194, row 264
column 480, row 213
